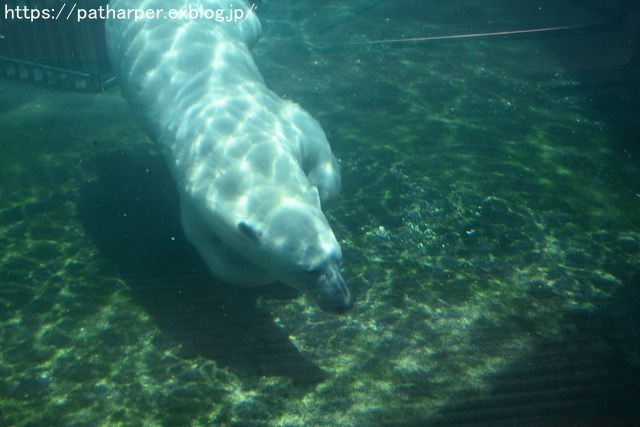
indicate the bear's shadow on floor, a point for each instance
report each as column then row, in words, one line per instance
column 131, row 212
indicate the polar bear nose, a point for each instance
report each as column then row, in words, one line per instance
column 333, row 295
column 338, row 306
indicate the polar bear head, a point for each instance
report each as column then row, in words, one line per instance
column 295, row 244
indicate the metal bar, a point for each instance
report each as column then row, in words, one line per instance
column 45, row 67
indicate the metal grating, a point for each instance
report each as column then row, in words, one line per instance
column 60, row 52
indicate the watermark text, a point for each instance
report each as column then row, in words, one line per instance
column 72, row 12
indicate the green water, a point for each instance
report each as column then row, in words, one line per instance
column 488, row 221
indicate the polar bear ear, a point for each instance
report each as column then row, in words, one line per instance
column 249, row 231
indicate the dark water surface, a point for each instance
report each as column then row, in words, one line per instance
column 489, row 221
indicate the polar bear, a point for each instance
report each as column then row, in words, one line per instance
column 251, row 168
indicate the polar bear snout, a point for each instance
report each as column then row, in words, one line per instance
column 331, row 292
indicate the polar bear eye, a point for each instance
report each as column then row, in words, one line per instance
column 248, row 230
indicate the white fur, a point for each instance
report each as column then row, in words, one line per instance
column 250, row 167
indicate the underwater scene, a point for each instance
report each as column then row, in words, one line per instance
column 489, row 221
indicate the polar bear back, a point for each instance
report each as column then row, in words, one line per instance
column 203, row 60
